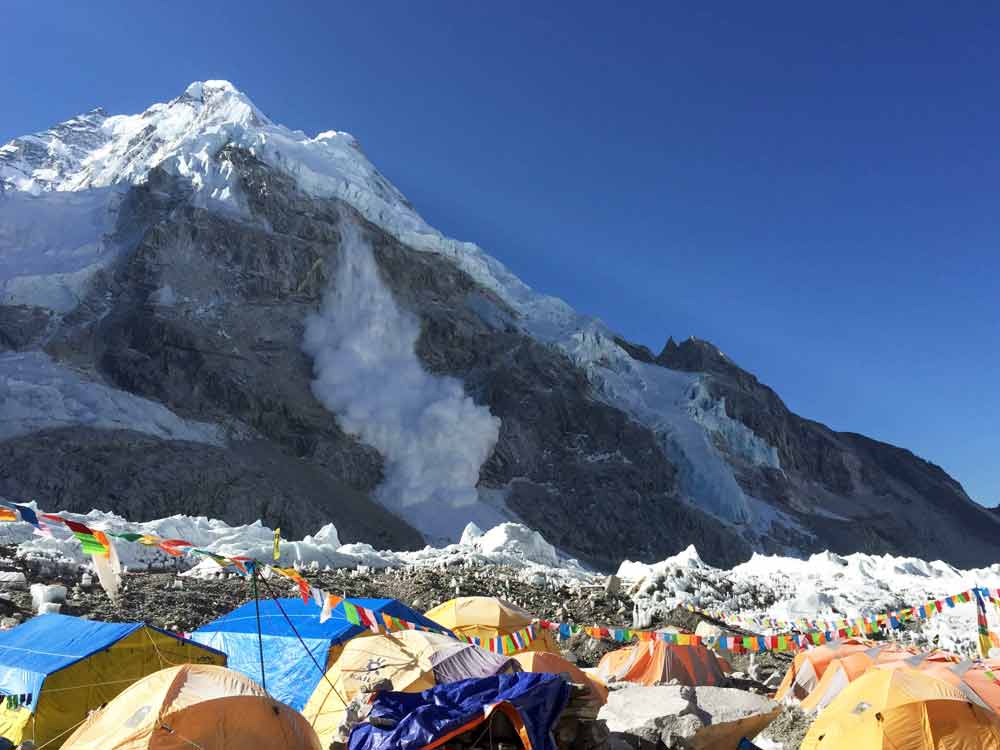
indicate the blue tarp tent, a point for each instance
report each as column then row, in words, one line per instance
column 55, row 668
column 291, row 675
column 420, row 721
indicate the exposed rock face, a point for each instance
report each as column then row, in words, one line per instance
column 853, row 493
column 204, row 311
column 143, row 477
column 22, row 326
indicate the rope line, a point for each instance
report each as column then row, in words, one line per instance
column 64, row 732
column 156, row 648
column 180, row 736
column 311, row 655
column 90, row 685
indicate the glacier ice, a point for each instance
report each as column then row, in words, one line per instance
column 52, row 244
column 37, row 393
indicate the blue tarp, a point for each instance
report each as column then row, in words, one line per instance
column 43, row 645
column 424, row 719
column 291, row 675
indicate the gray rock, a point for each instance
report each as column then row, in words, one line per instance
column 684, row 717
column 22, row 326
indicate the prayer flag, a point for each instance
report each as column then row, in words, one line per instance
column 983, row 626
column 329, row 603
column 352, row 614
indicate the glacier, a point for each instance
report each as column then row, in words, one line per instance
column 825, row 586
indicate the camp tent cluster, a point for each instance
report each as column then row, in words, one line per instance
column 55, row 669
column 271, row 675
column 74, row 683
column 884, row 695
column 294, row 641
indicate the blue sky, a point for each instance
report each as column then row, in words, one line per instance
column 815, row 190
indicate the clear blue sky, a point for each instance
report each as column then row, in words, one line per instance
column 815, row 190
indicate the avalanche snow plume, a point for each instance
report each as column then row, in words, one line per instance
column 432, row 436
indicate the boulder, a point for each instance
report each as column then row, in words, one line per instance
column 41, row 595
column 682, row 717
column 10, row 579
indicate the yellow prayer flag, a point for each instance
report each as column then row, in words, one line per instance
column 277, row 544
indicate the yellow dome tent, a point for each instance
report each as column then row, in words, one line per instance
column 485, row 617
column 194, row 706
column 411, row 660
column 54, row 669
column 903, row 709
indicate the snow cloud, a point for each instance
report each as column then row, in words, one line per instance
column 432, row 436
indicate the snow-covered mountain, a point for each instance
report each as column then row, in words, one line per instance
column 204, row 311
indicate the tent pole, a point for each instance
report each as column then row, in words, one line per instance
column 260, row 638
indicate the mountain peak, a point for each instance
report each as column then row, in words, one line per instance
column 198, row 89
column 694, row 355
column 220, row 102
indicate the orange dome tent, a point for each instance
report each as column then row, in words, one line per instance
column 194, row 706
column 540, row 661
column 657, row 662
column 967, row 676
column 903, row 709
column 808, row 666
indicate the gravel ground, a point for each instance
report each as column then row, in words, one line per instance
column 175, row 602
column 789, row 728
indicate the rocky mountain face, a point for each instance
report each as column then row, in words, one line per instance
column 176, row 378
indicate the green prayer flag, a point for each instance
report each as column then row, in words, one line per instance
column 351, row 612
column 128, row 536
